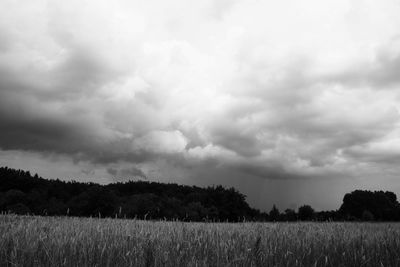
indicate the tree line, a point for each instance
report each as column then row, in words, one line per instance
column 23, row 193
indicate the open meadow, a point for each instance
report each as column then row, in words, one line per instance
column 69, row 241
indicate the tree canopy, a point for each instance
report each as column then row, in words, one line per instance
column 377, row 205
column 23, row 193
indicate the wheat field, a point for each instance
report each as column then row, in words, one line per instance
column 68, row 241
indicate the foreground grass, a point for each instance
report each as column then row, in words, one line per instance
column 49, row 241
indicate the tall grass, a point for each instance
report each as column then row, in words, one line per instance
column 50, row 241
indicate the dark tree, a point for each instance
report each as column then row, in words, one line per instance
column 22, row 193
column 382, row 205
column 290, row 215
column 367, row 216
column 306, row 213
column 274, row 213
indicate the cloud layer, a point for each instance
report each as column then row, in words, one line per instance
column 251, row 89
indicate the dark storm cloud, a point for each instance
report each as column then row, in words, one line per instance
column 126, row 173
column 233, row 137
column 386, row 157
column 149, row 90
column 55, row 112
column 276, row 171
column 29, row 123
column 80, row 74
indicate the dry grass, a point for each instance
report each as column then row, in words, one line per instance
column 49, row 241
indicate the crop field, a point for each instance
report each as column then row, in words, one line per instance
column 68, row 241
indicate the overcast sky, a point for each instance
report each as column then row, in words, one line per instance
column 291, row 102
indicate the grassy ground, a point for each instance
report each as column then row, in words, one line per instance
column 47, row 241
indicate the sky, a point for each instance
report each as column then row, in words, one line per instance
column 290, row 102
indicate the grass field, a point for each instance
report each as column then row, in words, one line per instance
column 49, row 241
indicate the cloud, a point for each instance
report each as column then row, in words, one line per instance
column 379, row 71
column 124, row 174
column 160, row 142
column 260, row 90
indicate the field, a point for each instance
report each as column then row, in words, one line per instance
column 65, row 241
